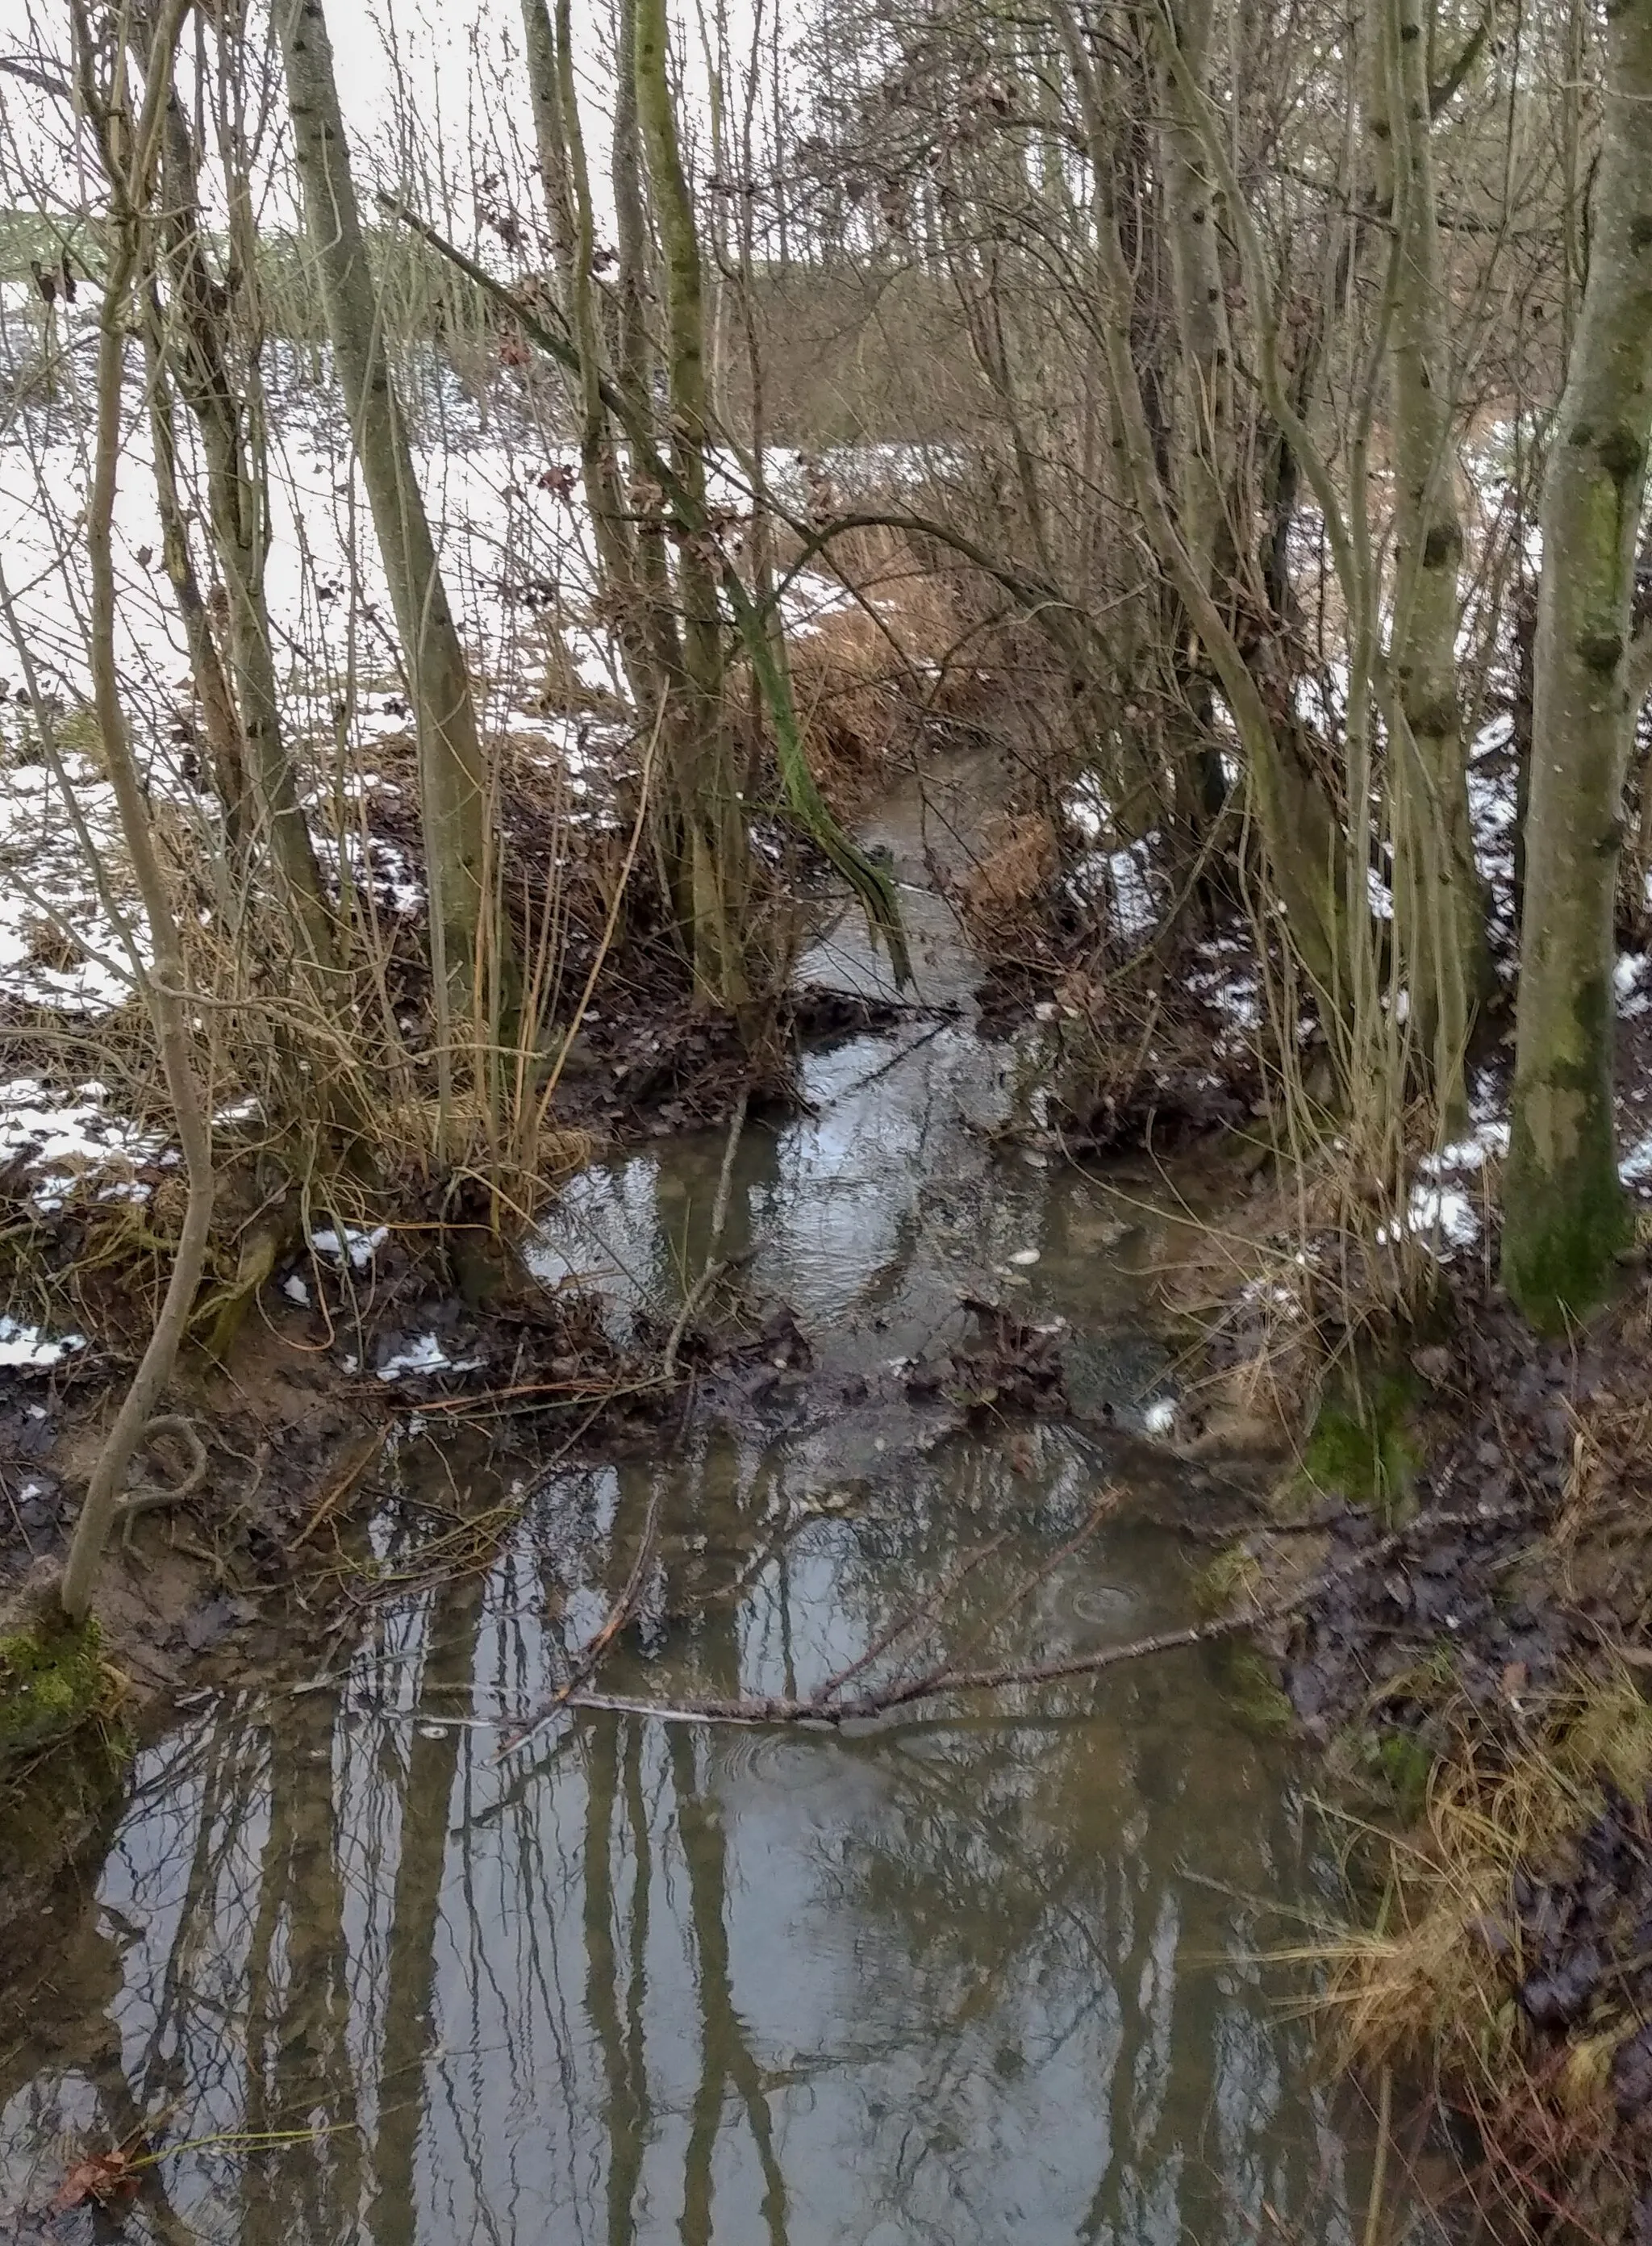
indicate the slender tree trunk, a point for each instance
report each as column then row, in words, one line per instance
column 226, row 751
column 466, row 936
column 1299, row 830
column 1565, row 1214
column 165, row 986
column 1204, row 429
column 708, row 851
column 238, row 509
column 672, row 637
column 643, row 620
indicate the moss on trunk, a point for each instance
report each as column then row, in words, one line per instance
column 1564, row 1212
column 51, row 1682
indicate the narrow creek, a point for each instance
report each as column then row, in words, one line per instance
column 994, row 1973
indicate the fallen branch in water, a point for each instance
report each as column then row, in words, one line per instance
column 591, row 1653
column 825, row 1707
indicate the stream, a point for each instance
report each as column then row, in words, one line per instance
column 996, row 1972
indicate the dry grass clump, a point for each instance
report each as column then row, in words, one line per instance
column 1601, row 1544
column 999, row 895
column 872, row 673
column 1494, row 1968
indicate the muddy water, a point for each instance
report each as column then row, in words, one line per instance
column 987, row 1975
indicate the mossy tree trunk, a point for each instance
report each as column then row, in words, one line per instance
column 1564, row 1212
column 703, row 836
column 700, row 651
column 474, row 976
column 671, row 631
column 1439, row 904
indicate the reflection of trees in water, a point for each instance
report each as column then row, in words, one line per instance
column 432, row 1763
column 300, row 2067
column 532, row 1985
column 1036, row 1912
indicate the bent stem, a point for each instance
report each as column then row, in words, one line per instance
column 164, row 985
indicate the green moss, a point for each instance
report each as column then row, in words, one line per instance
column 56, row 1809
column 1565, row 1216
column 1561, row 1254
column 1253, row 1692
column 1232, row 1579
column 1362, row 1446
column 50, row 1683
column 1402, row 1765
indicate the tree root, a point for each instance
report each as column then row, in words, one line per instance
column 148, row 1498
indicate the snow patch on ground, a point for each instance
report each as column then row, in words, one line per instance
column 61, row 1139
column 424, row 1355
column 1635, row 1168
column 359, row 1246
column 1443, row 1216
column 1629, row 985
column 1489, row 1139
column 27, row 1348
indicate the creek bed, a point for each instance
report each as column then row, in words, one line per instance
column 993, row 1972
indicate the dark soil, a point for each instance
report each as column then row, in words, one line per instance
column 647, row 1063
column 1145, row 1053
column 1524, row 1576
column 1523, row 1440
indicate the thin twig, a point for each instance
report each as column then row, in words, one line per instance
column 1379, row 2161
column 1105, row 1504
column 904, row 1625
column 618, row 1614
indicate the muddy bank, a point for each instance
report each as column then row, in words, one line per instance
column 1477, row 1696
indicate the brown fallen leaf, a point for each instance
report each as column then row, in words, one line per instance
column 102, row 2176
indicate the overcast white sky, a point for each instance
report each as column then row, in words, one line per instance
column 459, row 64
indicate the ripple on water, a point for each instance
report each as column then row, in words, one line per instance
column 801, row 1761
column 1107, row 1606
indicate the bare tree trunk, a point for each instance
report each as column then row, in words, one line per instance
column 164, row 986
column 1299, row 831
column 1204, row 396
column 466, row 936
column 1565, row 1216
column 672, row 637
column 226, row 751
column 238, row 506
column 644, row 620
